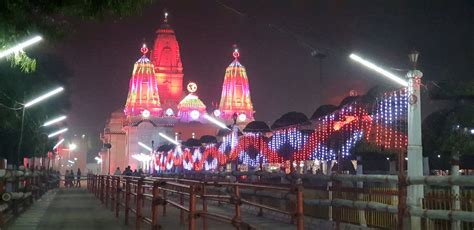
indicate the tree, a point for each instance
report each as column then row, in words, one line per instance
column 20, row 19
column 30, row 78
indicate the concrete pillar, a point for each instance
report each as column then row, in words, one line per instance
column 360, row 196
column 456, row 205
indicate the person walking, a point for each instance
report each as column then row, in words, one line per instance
column 78, row 181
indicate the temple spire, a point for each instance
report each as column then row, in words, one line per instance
column 235, row 97
column 165, row 20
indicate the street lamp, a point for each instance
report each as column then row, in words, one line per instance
column 414, row 149
column 20, row 46
column 29, row 104
column 54, row 121
column 57, row 132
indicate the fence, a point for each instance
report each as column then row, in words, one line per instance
column 129, row 194
column 19, row 188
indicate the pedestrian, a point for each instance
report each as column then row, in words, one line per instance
column 117, row 172
column 78, row 181
column 127, row 171
column 71, row 178
column 135, row 173
column 66, row 179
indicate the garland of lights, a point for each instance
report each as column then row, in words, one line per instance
column 332, row 135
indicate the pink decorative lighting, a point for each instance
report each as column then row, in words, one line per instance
column 143, row 91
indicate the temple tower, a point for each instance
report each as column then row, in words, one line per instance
column 235, row 97
column 143, row 97
column 168, row 66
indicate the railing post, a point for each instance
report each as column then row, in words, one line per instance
column 164, row 206
column 192, row 208
column 112, row 193
column 138, row 201
column 299, row 214
column 117, row 197
column 154, row 206
column 107, row 190
column 127, row 199
column 237, row 218
column 204, row 207
column 181, row 211
column 102, row 188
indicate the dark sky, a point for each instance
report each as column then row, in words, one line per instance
column 283, row 76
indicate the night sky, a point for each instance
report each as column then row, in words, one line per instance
column 274, row 39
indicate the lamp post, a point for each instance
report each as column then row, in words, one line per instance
column 27, row 105
column 415, row 150
column 415, row 193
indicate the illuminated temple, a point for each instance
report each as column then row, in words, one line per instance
column 158, row 106
column 161, row 120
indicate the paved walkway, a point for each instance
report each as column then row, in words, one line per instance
column 78, row 209
column 67, row 209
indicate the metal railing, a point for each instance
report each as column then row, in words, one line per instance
column 130, row 194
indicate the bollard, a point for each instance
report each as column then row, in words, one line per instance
column 154, row 206
column 117, row 197
column 138, row 201
column 192, row 208
column 127, row 199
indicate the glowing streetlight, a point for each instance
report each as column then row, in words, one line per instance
column 145, row 146
column 377, row 69
column 44, row 96
column 55, row 120
column 59, row 143
column 20, row 46
column 169, row 139
column 57, row 132
column 28, row 104
column 72, row 146
column 215, row 121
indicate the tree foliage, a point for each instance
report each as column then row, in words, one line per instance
column 31, row 77
column 20, row 19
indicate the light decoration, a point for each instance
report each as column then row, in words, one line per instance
column 191, row 107
column 215, row 121
column 20, row 46
column 55, row 120
column 169, row 138
column 217, row 113
column 145, row 113
column 145, row 146
column 44, row 96
column 143, row 90
column 169, row 112
column 98, row 159
column 333, row 134
column 242, row 117
column 194, row 114
column 70, row 161
column 58, row 144
column 142, row 157
column 57, row 132
column 235, row 97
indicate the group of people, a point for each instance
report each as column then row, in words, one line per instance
column 69, row 181
column 128, row 172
